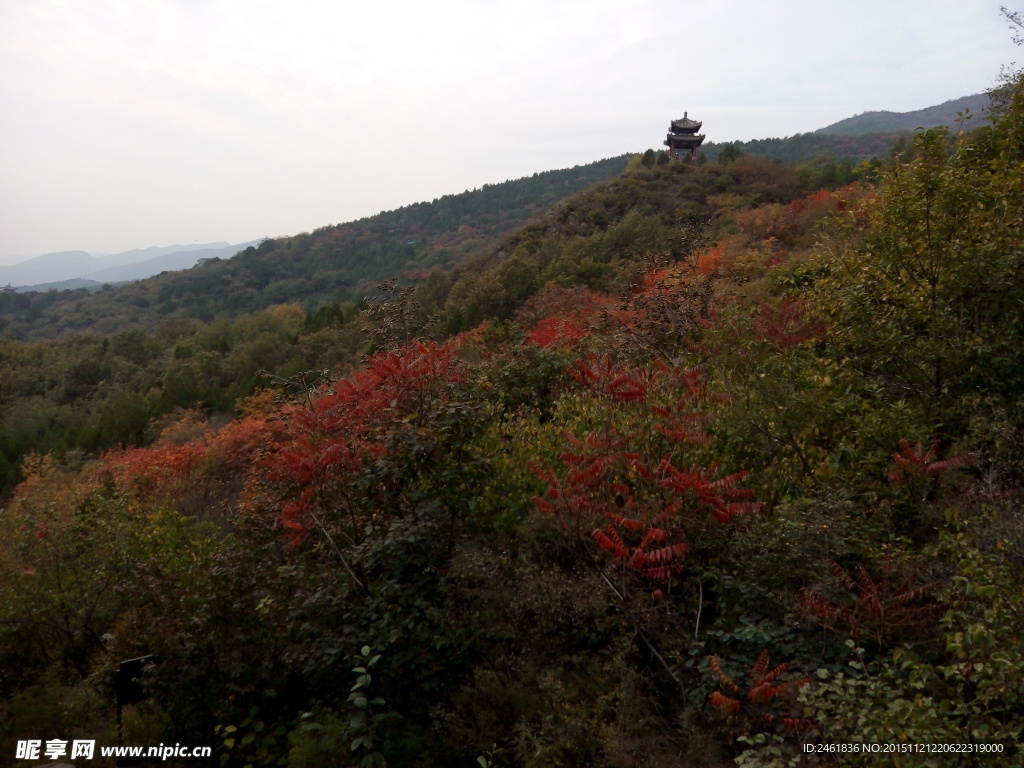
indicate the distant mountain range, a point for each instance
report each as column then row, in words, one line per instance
column 78, row 269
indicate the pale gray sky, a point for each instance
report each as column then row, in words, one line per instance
column 130, row 123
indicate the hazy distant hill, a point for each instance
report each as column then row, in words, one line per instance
column 168, row 262
column 50, row 269
column 154, row 251
column 904, row 122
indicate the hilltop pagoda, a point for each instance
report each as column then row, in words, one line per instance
column 682, row 135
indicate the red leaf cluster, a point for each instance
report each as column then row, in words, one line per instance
column 166, row 467
column 556, row 330
column 880, row 608
column 707, row 262
column 721, row 497
column 650, row 506
column 329, row 445
column 616, row 382
column 913, row 461
column 561, row 316
column 763, row 691
column 785, row 325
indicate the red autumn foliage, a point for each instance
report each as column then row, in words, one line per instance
column 786, row 325
column 707, row 262
column 795, row 224
column 597, row 486
column 913, row 461
column 820, row 201
column 727, row 703
column 666, row 309
column 320, row 463
column 763, row 691
column 880, row 609
column 143, row 468
column 623, row 383
column 650, row 506
column 164, row 468
column 657, row 563
column 562, row 316
column 614, row 381
column 556, row 330
column 721, row 497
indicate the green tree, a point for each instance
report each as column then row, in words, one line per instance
column 728, row 153
column 929, row 309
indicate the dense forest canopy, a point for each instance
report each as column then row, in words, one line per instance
column 705, row 465
column 808, row 147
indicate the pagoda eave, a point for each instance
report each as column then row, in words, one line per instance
column 684, row 141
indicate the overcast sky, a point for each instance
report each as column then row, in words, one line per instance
column 130, row 123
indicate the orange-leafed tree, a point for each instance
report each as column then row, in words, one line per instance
column 767, row 699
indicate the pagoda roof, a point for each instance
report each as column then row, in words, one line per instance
column 686, row 124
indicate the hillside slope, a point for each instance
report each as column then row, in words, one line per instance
column 333, row 264
column 861, row 137
column 88, row 391
column 756, row 502
column 906, row 122
column 807, row 147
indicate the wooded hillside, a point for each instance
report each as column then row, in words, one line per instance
column 333, row 264
column 699, row 468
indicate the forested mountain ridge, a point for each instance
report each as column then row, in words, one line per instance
column 330, row 265
column 884, row 121
column 131, row 354
column 808, row 147
column 587, row 239
column 342, row 262
column 862, row 137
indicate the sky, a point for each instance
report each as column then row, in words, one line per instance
column 131, row 123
